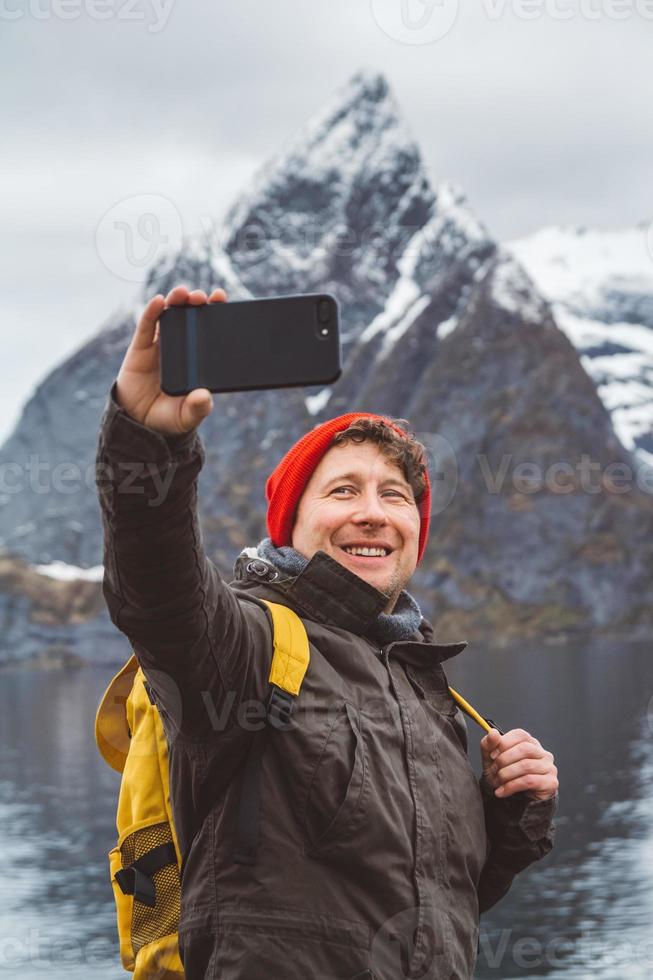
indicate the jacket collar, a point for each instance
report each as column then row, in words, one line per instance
column 325, row 590
column 329, row 593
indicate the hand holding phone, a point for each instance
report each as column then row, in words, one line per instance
column 138, row 386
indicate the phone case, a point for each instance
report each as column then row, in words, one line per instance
column 276, row 342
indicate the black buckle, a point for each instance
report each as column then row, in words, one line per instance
column 493, row 724
column 279, row 707
column 134, row 882
column 257, row 567
column 137, row 879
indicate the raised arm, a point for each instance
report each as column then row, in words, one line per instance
column 198, row 645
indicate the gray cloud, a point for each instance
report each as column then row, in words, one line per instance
column 541, row 121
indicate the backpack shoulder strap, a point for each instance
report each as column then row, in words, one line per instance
column 290, row 659
column 112, row 733
column 291, row 654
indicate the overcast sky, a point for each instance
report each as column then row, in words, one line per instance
column 540, row 110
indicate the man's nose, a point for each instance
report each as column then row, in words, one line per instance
column 370, row 509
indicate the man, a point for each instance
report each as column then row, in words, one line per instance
column 378, row 847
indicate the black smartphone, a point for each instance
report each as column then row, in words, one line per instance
column 276, row 342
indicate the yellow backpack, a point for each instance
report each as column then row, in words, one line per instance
column 146, row 861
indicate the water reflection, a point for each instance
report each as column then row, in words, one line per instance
column 586, row 910
column 57, row 822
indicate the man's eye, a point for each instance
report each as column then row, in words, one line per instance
column 395, row 493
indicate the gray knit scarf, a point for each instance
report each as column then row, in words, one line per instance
column 387, row 627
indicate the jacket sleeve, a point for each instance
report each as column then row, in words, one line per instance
column 202, row 650
column 519, row 832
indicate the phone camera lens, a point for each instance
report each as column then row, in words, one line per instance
column 324, row 311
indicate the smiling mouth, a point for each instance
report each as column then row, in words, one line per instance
column 369, row 559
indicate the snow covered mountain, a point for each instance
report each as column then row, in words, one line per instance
column 600, row 284
column 441, row 326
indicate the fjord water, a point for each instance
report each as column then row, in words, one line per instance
column 586, row 910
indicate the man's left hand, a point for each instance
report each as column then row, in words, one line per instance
column 519, row 764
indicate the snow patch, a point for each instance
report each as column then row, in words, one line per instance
column 70, row 573
column 514, row 290
column 399, row 329
column 315, row 403
column 452, row 204
column 405, row 293
column 568, row 261
column 447, row 327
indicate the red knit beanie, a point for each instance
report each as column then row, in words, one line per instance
column 287, row 482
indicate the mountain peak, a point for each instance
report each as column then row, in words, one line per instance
column 365, row 101
column 369, row 84
column 360, row 120
column 338, row 204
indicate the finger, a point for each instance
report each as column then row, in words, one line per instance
column 178, row 294
column 491, row 741
column 196, row 297
column 195, row 407
column 531, row 783
column 513, row 737
column 144, row 335
column 523, row 750
column 218, row 295
column 523, row 768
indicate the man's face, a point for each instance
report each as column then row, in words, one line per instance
column 357, row 497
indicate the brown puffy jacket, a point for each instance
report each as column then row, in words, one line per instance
column 378, row 848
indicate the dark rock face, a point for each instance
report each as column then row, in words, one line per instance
column 441, row 327
column 537, row 519
column 50, row 510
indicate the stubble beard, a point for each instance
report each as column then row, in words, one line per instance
column 393, row 589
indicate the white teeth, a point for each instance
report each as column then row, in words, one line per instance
column 379, row 552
